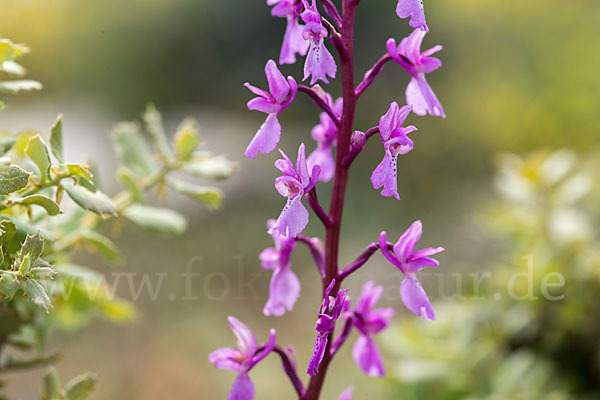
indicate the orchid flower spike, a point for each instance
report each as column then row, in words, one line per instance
column 331, row 309
column 294, row 184
column 408, row 55
column 325, row 134
column 409, row 261
column 284, row 289
column 281, row 94
column 395, row 142
column 319, row 61
column 370, row 322
column 293, row 40
column 242, row 359
column 414, row 10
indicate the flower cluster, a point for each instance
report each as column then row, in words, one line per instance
column 309, row 29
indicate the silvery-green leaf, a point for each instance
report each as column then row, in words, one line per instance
column 186, row 139
column 12, row 178
column 156, row 130
column 37, row 151
column 36, row 293
column 97, row 201
column 131, row 184
column 56, row 139
column 103, row 244
column 6, row 144
column 47, row 203
column 80, row 387
column 161, row 220
column 20, row 85
column 210, row 167
column 8, row 284
column 211, row 197
column 132, row 149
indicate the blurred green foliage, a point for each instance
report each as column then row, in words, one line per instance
column 531, row 330
column 40, row 230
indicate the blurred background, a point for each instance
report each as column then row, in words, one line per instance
column 518, row 77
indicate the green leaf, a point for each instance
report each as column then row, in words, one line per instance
column 51, row 385
column 19, row 86
column 211, row 197
column 210, row 167
column 80, row 387
column 6, row 144
column 36, row 293
column 186, row 139
column 160, row 220
column 31, row 249
column 42, row 273
column 38, row 152
column 97, row 202
column 156, row 130
column 7, row 231
column 12, row 178
column 131, row 184
column 12, row 68
column 132, row 149
column 47, row 203
column 9, row 285
column 56, row 139
column 103, row 244
column 25, row 228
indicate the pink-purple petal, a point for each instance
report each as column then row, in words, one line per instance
column 227, row 358
column 293, row 41
column 293, row 219
column 386, row 175
column 414, row 10
column 415, row 97
column 405, row 245
column 319, row 63
column 283, row 292
column 347, row 394
column 242, row 388
column 266, row 139
column 366, row 355
column 278, row 85
column 246, row 340
column 415, row 299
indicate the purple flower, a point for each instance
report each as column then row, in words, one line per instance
column 319, row 62
column 294, row 184
column 414, row 10
column 369, row 322
column 347, row 394
column 418, row 92
column 325, row 134
column 285, row 286
column 243, row 359
column 293, row 41
column 409, row 262
column 282, row 93
column 395, row 142
column 330, row 312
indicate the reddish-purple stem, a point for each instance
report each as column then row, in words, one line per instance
column 314, row 204
column 341, row 339
column 332, row 12
column 372, row 74
column 320, row 102
column 354, row 152
column 290, row 370
column 361, row 260
column 340, row 180
column 315, row 251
